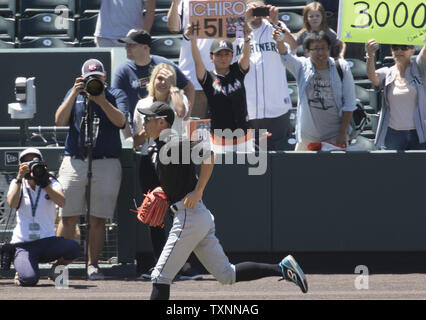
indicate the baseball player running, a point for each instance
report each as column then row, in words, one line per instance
column 193, row 225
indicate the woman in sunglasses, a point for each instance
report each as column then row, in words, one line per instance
column 402, row 123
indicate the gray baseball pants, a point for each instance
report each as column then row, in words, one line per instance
column 192, row 230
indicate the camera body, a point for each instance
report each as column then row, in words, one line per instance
column 7, row 254
column 37, row 167
column 93, row 85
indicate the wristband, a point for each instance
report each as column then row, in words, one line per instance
column 248, row 40
column 18, row 180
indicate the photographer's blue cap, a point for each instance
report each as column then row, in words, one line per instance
column 92, row 67
column 30, row 151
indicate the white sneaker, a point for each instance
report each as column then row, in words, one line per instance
column 94, row 273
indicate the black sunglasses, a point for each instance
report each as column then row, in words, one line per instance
column 401, row 47
column 147, row 118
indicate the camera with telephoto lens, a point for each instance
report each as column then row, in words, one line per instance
column 7, row 253
column 37, row 168
column 93, row 85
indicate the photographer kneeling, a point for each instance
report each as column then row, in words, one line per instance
column 34, row 194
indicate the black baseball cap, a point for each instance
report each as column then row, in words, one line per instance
column 160, row 109
column 135, row 36
column 221, row 44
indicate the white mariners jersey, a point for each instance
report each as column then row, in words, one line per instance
column 186, row 63
column 266, row 82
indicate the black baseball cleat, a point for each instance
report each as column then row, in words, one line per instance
column 292, row 272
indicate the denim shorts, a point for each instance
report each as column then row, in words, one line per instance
column 402, row 140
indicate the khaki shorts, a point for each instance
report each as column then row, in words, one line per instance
column 106, row 180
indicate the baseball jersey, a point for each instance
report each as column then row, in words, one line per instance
column 133, row 79
column 176, row 179
column 186, row 63
column 117, row 17
column 226, row 98
column 266, row 82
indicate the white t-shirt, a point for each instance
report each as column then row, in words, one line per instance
column 186, row 63
column 266, row 82
column 179, row 125
column 45, row 213
column 117, row 17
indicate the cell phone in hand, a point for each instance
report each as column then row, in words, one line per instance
column 261, row 12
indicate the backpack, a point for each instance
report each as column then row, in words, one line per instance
column 359, row 116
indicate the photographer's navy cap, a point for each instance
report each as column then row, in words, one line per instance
column 160, row 109
column 221, row 44
column 135, row 36
column 92, row 67
column 30, row 151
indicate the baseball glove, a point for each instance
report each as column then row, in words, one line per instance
column 153, row 208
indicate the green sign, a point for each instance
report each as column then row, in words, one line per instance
column 391, row 21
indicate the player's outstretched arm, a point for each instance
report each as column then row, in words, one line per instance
column 200, row 69
column 244, row 60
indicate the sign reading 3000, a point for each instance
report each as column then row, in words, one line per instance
column 391, row 22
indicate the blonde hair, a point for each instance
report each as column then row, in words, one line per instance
column 314, row 6
column 151, row 86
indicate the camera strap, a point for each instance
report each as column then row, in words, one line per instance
column 34, row 204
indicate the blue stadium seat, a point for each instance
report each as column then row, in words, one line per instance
column 6, row 45
column 86, row 28
column 45, row 43
column 28, row 8
column 45, row 25
column 168, row 47
column 159, row 27
column 292, row 20
column 89, row 7
column 87, row 44
column 7, row 29
column 359, row 72
column 7, row 8
column 368, row 97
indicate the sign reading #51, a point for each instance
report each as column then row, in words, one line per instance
column 391, row 22
column 217, row 19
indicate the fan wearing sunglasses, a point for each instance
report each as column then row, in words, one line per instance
column 402, row 123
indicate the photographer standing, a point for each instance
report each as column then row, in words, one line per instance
column 34, row 193
column 109, row 110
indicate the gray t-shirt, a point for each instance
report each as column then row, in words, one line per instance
column 117, row 17
column 321, row 122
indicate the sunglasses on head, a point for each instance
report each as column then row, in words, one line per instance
column 400, row 47
column 147, row 118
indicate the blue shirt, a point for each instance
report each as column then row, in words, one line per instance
column 133, row 79
column 108, row 142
